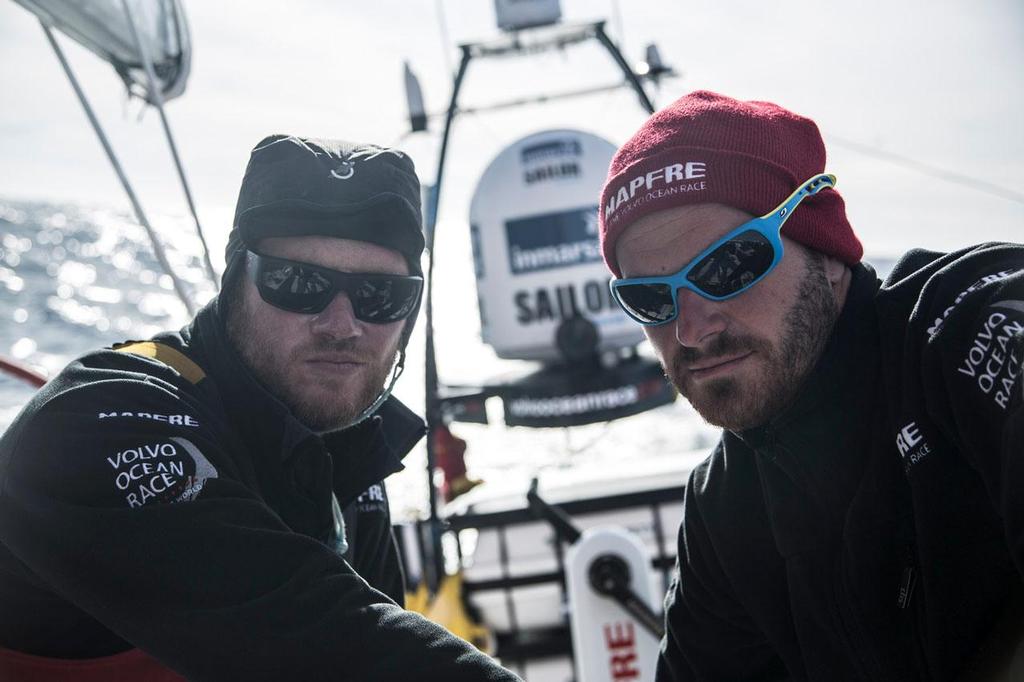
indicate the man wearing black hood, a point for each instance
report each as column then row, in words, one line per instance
column 209, row 504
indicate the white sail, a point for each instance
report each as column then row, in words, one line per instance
column 104, row 28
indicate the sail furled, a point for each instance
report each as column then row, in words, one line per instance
column 104, row 27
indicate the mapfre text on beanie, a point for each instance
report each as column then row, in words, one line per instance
column 709, row 148
column 657, row 183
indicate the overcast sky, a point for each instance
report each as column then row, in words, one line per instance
column 935, row 81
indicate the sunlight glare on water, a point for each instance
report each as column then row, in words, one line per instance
column 75, row 278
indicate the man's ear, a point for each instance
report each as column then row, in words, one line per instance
column 838, row 275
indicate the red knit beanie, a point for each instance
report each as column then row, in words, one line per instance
column 708, row 148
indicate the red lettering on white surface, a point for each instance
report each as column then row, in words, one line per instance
column 620, row 640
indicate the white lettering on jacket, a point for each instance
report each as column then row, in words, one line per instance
column 987, row 279
column 911, row 444
column 172, row 419
column 990, row 360
column 168, row 471
column 372, row 499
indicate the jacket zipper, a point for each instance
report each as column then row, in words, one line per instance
column 905, row 601
column 906, row 591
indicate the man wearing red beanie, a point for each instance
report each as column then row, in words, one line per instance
column 861, row 516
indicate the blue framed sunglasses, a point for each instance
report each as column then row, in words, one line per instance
column 727, row 268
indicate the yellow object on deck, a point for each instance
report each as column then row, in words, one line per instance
column 448, row 610
column 418, row 600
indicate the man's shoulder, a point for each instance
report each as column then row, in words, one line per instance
column 157, row 370
column 113, row 429
column 968, row 268
column 108, row 389
column 926, row 287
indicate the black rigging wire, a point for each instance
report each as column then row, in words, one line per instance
column 932, row 171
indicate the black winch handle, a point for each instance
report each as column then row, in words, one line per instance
column 566, row 531
column 609, row 573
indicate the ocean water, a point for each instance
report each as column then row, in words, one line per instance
column 73, row 279
column 76, row 278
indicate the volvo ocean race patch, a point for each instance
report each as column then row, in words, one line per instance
column 993, row 361
column 168, row 470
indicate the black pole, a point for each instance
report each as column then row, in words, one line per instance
column 433, row 404
column 565, row 529
column 634, row 81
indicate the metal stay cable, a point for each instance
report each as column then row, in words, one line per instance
column 913, row 164
column 156, row 98
column 140, row 215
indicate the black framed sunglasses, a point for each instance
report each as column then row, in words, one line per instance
column 297, row 287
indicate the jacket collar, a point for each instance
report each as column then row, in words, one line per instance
column 818, row 439
column 371, row 451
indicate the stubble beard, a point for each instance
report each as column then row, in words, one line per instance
column 271, row 370
column 738, row 405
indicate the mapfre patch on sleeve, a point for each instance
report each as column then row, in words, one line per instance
column 373, row 500
column 993, row 359
column 164, row 470
column 988, row 280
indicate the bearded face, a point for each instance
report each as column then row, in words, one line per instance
column 326, row 367
column 736, row 400
column 742, row 360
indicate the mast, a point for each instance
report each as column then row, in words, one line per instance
column 516, row 43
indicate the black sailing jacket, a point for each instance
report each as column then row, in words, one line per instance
column 195, row 519
column 874, row 529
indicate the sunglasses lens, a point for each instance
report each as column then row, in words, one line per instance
column 647, row 303
column 301, row 288
column 734, row 265
column 382, row 298
column 293, row 287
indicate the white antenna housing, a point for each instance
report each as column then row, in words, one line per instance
column 514, row 15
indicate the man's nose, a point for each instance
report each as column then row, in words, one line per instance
column 338, row 320
column 699, row 320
